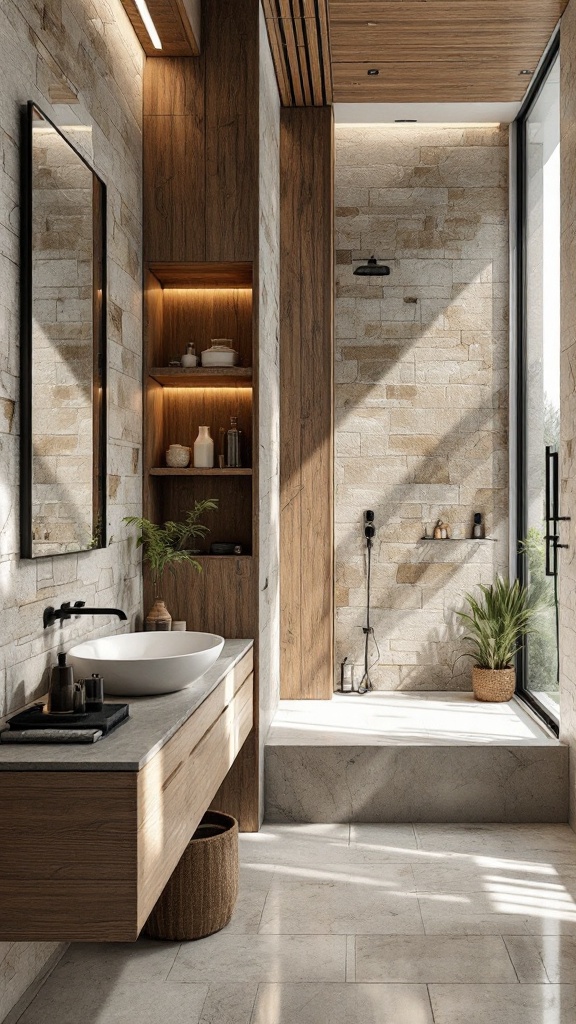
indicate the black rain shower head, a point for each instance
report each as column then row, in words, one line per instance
column 372, row 269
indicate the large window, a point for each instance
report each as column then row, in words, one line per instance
column 539, row 375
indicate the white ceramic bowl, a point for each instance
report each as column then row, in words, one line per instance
column 142, row 664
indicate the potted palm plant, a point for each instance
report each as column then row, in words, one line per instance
column 497, row 624
column 165, row 547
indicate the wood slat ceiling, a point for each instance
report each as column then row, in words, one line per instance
column 437, row 50
column 299, row 36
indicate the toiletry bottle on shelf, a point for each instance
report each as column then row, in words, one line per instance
column 61, row 691
column 478, row 528
column 203, row 449
column 189, row 358
column 233, row 445
column 222, row 448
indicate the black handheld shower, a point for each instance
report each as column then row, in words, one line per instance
column 369, row 533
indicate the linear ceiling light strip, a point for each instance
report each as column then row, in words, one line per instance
column 148, row 23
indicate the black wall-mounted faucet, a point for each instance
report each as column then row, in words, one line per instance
column 66, row 611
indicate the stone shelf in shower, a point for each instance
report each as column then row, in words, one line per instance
column 192, row 471
column 203, row 376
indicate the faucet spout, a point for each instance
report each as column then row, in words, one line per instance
column 66, row 611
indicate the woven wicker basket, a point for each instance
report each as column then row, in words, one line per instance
column 201, row 893
column 495, row 685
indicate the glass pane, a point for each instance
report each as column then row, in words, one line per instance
column 542, row 415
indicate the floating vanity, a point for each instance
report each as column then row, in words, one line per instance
column 91, row 834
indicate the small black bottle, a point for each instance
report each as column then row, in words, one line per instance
column 61, row 692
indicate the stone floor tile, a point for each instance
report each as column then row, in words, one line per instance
column 553, row 844
column 469, row 913
column 83, row 999
column 256, row 876
column 259, row 958
column 295, row 844
column 382, row 838
column 503, row 1004
column 342, row 1004
column 228, row 1004
column 433, row 958
column 556, row 952
column 247, row 912
column 345, row 908
column 381, row 875
column 526, row 960
column 127, row 962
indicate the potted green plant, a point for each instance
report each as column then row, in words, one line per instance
column 164, row 548
column 497, row 624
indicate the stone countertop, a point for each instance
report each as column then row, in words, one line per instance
column 153, row 721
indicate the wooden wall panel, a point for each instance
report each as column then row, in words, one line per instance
column 231, row 39
column 174, row 160
column 306, row 370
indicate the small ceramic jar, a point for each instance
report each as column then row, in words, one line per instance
column 178, row 456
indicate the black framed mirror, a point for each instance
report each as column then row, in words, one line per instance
column 63, row 345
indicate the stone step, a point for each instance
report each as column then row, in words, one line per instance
column 406, row 757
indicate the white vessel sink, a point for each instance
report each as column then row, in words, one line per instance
column 142, row 664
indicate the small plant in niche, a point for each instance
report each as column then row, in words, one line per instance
column 164, row 547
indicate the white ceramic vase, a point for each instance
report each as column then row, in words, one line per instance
column 203, row 449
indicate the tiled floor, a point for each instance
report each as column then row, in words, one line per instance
column 361, row 924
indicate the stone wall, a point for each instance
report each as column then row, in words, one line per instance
column 567, row 573
column 269, row 383
column 92, row 49
column 421, row 388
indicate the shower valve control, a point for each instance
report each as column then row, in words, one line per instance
column 369, row 528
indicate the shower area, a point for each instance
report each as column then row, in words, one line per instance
column 421, row 390
column 422, row 413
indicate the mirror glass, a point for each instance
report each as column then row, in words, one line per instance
column 63, row 345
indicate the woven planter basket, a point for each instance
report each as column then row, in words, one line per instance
column 495, row 685
column 201, row 893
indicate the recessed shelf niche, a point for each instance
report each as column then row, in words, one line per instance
column 196, row 302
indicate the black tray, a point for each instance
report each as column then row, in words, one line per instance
column 107, row 719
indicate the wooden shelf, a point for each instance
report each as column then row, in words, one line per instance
column 222, row 558
column 192, row 471
column 203, row 275
column 458, row 540
column 203, row 376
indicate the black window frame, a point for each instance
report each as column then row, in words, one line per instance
column 520, row 123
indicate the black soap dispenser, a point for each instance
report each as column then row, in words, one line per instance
column 61, row 692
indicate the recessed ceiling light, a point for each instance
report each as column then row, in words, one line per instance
column 525, row 71
column 373, row 71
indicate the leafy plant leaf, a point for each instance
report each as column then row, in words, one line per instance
column 164, row 545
